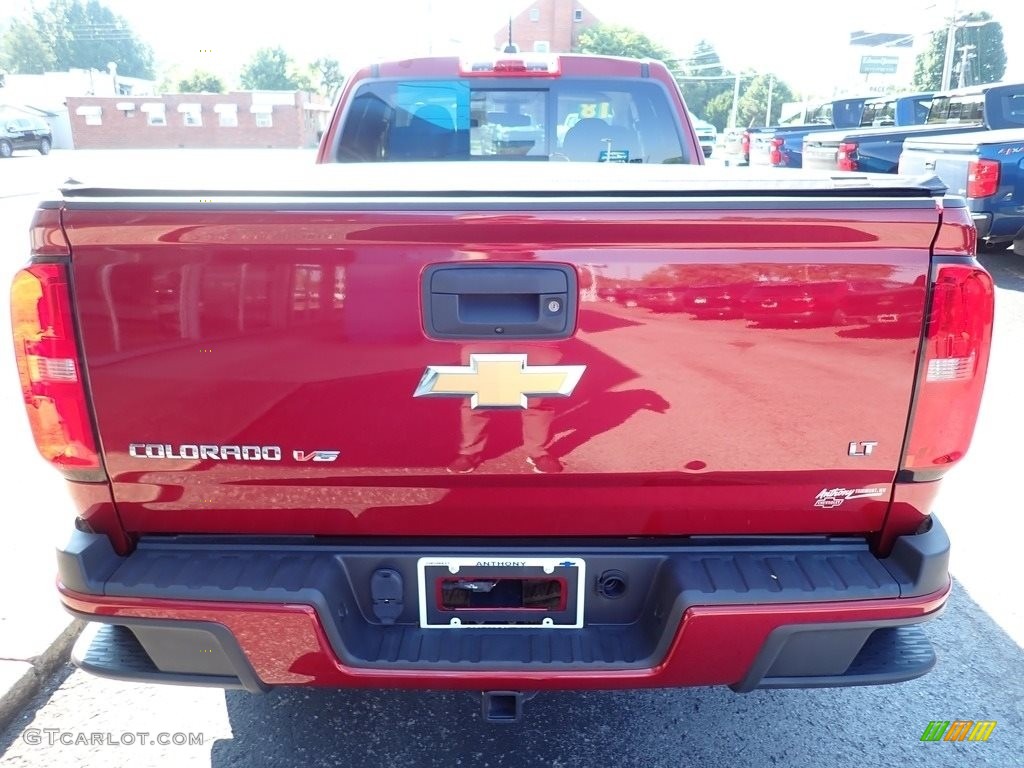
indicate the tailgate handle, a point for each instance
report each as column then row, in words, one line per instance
column 530, row 301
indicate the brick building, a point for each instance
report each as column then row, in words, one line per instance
column 45, row 95
column 547, row 26
column 247, row 119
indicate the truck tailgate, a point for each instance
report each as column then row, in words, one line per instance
column 747, row 361
column 949, row 163
column 820, row 153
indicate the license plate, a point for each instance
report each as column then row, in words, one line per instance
column 501, row 592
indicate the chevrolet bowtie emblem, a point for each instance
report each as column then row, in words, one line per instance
column 499, row 381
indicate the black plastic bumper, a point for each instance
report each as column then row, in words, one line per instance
column 632, row 630
column 982, row 223
column 153, row 651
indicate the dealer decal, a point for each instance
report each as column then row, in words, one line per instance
column 830, row 498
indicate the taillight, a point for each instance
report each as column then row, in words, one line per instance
column 775, row 152
column 745, row 142
column 982, row 178
column 525, row 65
column 49, row 366
column 846, row 157
column 952, row 375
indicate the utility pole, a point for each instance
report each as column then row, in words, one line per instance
column 510, row 47
column 947, row 62
column 735, row 102
column 965, row 54
column 768, row 110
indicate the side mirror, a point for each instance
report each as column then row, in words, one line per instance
column 11, row 128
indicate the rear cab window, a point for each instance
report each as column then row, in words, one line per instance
column 483, row 119
column 1010, row 111
column 878, row 113
column 968, row 108
column 922, row 107
column 885, row 113
column 846, row 114
column 821, row 116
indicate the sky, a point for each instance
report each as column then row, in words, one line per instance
column 801, row 47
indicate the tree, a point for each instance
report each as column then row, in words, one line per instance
column 328, row 75
column 22, row 50
column 988, row 64
column 201, row 82
column 271, row 69
column 753, row 102
column 698, row 92
column 719, row 110
column 610, row 40
column 66, row 34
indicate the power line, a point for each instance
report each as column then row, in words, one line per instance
column 697, row 69
column 717, row 77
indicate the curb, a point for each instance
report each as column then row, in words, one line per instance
column 40, row 668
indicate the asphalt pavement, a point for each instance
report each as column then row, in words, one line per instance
column 77, row 719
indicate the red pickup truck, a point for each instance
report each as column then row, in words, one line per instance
column 413, row 427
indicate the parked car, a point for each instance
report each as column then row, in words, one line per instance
column 986, row 167
column 909, row 109
column 963, row 110
column 707, row 134
column 24, row 133
column 782, row 145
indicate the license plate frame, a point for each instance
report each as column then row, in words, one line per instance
column 429, row 570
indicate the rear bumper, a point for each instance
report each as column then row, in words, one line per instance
column 982, row 223
column 749, row 613
column 1004, row 224
column 820, row 161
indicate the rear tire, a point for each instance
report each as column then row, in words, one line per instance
column 44, row 146
column 6, row 148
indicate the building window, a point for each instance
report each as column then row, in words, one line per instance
column 264, row 114
column 93, row 115
column 191, row 114
column 535, row 14
column 542, row 46
column 156, row 114
column 227, row 115
column 577, row 15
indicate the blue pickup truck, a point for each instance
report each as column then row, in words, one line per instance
column 883, row 112
column 766, row 144
column 877, row 150
column 987, row 168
